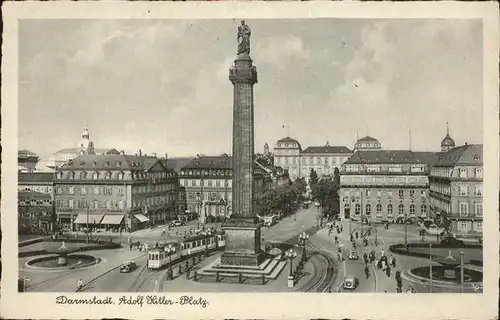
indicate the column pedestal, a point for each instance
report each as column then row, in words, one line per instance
column 243, row 243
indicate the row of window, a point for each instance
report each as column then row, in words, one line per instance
column 92, row 204
column 463, row 209
column 212, row 196
column 417, row 168
column 401, row 193
column 466, row 226
column 464, row 173
column 389, row 209
column 45, row 189
column 325, row 160
column 464, row 190
column 440, row 188
column 207, row 172
column 106, row 190
column 205, row 182
column 223, row 209
column 25, row 202
column 108, row 175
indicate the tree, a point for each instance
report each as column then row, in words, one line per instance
column 313, row 178
column 326, row 193
column 300, row 186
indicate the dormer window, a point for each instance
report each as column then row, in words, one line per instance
column 463, row 173
column 479, row 172
column 82, row 164
column 83, row 175
column 95, row 176
column 71, row 176
column 120, row 175
column 108, row 175
column 118, row 164
column 106, row 164
column 59, row 175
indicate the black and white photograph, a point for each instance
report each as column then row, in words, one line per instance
column 248, row 154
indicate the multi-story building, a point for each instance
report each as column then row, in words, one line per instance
column 35, row 201
column 114, row 192
column 287, row 156
column 85, row 146
column 456, row 190
column 383, row 185
column 323, row 159
column 206, row 186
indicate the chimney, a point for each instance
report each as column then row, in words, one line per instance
column 466, row 143
column 154, row 154
column 140, row 152
column 166, row 155
column 122, row 151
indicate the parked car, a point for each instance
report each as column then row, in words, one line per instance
column 400, row 220
column 128, row 266
column 350, row 282
column 305, row 206
column 453, row 242
column 177, row 223
column 353, row 255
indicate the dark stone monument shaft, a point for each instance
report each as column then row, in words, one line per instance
column 243, row 239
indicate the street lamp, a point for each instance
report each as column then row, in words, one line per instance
column 170, row 250
column 290, row 255
column 462, row 269
column 303, row 237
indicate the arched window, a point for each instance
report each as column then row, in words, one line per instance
column 120, row 175
column 389, row 209
column 463, row 172
column 108, row 175
column 401, row 209
column 479, row 172
column 95, row 175
column 379, row 209
column 83, row 175
column 412, row 209
column 357, row 209
column 423, row 209
column 368, row 209
column 71, row 176
column 59, row 175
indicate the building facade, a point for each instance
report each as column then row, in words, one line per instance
column 323, row 159
column 456, row 190
column 205, row 186
column 367, row 144
column 287, row 156
column 384, row 185
column 26, row 160
column 35, row 202
column 114, row 192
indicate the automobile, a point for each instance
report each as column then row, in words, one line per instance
column 353, row 255
column 427, row 222
column 452, row 242
column 364, row 220
column 433, row 229
column 317, row 204
column 400, row 220
column 268, row 224
column 128, row 266
column 177, row 223
column 350, row 282
column 305, row 206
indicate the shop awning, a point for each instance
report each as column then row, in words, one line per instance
column 92, row 218
column 112, row 219
column 141, row 217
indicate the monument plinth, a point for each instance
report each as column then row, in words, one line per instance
column 242, row 230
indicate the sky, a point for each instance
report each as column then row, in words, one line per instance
column 162, row 85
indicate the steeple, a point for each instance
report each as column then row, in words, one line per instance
column 447, row 143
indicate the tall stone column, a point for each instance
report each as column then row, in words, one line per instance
column 243, row 238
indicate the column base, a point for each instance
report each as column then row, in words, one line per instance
column 243, row 243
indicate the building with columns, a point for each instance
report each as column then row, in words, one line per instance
column 456, row 190
column 205, row 186
column 385, row 184
column 114, row 192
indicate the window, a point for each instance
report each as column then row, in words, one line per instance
column 217, row 183
column 95, row 176
column 401, row 193
column 83, row 175
column 379, row 209
column 395, row 169
column 209, row 182
column 479, row 209
column 71, row 190
column 379, row 193
column 368, row 209
column 120, row 191
column 401, row 209
column 479, row 226
column 59, row 190
column 423, row 209
column 464, row 209
column 367, row 193
column 109, row 205
column 412, row 209
column 479, row 191
column 463, row 190
column 463, row 173
column 412, row 193
column 59, row 203
column 462, row 226
column 389, row 209
column 83, row 190
column 357, row 209
column 389, row 194
column 479, row 172
column 71, row 203
column 120, row 175
column 422, row 193
column 96, row 190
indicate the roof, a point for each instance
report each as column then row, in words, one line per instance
column 327, row 149
column 96, row 150
column 24, row 153
column 289, row 140
column 469, row 154
column 367, row 138
column 110, row 162
column 35, row 177
column 448, row 141
column 389, row 157
column 177, row 164
column 213, row 162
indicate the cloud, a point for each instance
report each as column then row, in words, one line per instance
column 281, row 51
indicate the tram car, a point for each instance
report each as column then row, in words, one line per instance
column 176, row 251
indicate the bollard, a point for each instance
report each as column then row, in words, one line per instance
column 240, row 280
column 217, row 277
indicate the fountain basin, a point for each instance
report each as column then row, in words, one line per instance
column 62, row 262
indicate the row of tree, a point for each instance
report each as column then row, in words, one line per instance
column 282, row 199
column 325, row 191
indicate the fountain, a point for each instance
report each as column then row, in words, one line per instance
column 63, row 259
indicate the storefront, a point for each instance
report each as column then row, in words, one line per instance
column 114, row 222
column 90, row 221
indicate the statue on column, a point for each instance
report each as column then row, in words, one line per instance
column 243, row 38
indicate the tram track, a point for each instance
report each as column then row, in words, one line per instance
column 323, row 282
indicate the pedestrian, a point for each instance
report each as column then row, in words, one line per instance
column 357, row 235
column 367, row 272
column 382, row 252
column 376, row 263
column 388, row 271
column 79, row 284
column 336, row 240
column 130, row 245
